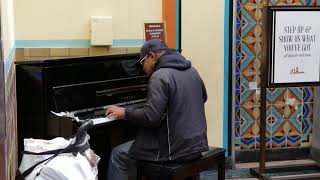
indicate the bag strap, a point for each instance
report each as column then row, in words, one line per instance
column 30, row 169
column 68, row 149
column 42, row 153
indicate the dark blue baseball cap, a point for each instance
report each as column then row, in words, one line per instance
column 152, row 46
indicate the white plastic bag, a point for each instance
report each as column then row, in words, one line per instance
column 65, row 166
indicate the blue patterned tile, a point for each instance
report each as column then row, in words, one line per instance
column 244, row 2
column 276, row 124
column 278, row 141
column 247, row 55
column 275, row 113
column 238, row 114
column 289, row 110
column 238, row 50
column 286, row 2
column 244, row 82
column 237, row 141
column 248, row 22
column 269, row 112
column 254, row 10
column 273, row 2
column 248, row 143
column 273, row 94
column 267, row 142
column 238, row 28
column 293, row 141
column 238, row 62
column 249, row 129
column 245, row 116
column 297, row 91
column 238, row 16
column 237, row 97
column 296, row 126
column 287, row 105
column 296, row 112
column 307, row 111
column 305, row 138
column 307, row 126
column 237, row 127
column 308, row 94
column 310, row 2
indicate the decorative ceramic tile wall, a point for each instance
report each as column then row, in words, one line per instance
column 289, row 110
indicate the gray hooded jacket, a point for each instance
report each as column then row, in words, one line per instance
column 172, row 122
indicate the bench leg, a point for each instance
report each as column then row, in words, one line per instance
column 139, row 174
column 221, row 169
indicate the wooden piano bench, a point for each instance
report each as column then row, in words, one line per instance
column 179, row 171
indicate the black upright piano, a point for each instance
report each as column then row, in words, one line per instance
column 80, row 87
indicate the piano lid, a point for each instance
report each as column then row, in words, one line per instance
column 79, row 84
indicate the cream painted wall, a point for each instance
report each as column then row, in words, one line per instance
column 202, row 42
column 7, row 25
column 70, row 19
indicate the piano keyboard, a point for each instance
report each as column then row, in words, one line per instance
column 101, row 120
column 99, row 112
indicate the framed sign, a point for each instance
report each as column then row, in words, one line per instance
column 294, row 46
column 154, row 31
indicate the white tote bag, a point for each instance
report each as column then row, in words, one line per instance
column 64, row 166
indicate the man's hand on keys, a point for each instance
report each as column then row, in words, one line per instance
column 115, row 112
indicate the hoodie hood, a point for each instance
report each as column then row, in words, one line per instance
column 172, row 59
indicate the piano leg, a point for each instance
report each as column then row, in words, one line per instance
column 104, row 138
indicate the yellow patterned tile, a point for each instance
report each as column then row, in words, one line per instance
column 96, row 51
column 117, row 50
column 133, row 50
column 59, row 52
column 26, row 52
column 39, row 52
column 79, row 52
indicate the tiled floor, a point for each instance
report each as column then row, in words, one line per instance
column 230, row 174
column 242, row 171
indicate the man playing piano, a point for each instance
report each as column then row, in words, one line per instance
column 172, row 122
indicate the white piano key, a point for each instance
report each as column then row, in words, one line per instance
column 102, row 120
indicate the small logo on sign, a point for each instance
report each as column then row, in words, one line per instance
column 296, row 70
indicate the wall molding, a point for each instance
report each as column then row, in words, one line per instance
column 178, row 30
column 74, row 43
column 226, row 102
